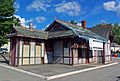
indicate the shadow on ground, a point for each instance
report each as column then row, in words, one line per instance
column 6, row 62
column 4, row 59
column 118, row 78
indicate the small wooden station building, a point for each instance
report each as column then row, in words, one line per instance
column 62, row 42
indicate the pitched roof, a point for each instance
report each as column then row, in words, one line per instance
column 79, row 31
column 102, row 30
column 73, row 30
column 27, row 33
column 61, row 34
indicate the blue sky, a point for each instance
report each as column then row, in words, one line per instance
column 42, row 12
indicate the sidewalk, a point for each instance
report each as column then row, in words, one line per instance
column 52, row 71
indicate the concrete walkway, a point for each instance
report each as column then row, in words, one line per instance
column 52, row 71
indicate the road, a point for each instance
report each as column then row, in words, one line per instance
column 111, row 73
column 12, row 75
column 104, row 74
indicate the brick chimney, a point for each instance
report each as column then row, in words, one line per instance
column 31, row 26
column 83, row 24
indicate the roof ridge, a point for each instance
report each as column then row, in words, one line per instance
column 34, row 30
column 68, row 23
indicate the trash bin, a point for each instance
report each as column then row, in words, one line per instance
column 119, row 55
column 115, row 55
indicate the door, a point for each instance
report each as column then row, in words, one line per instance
column 38, row 59
column 66, row 52
column 58, row 51
column 99, row 59
column 26, row 53
column 83, row 55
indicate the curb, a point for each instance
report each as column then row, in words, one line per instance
column 78, row 71
column 59, row 75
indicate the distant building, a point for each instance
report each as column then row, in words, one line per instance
column 62, row 42
column 7, row 46
column 115, row 47
column 105, row 31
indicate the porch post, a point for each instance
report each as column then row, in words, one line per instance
column 42, row 55
column 18, row 52
column 10, row 53
column 72, row 57
column 110, row 52
column 63, row 50
column 69, row 50
column 103, row 56
column 87, row 56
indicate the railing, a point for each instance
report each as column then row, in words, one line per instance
column 5, row 58
column 58, row 59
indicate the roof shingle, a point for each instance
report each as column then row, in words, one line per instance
column 28, row 33
column 102, row 30
column 81, row 32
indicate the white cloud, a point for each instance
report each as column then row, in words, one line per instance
column 118, row 10
column 109, row 5
column 17, row 6
column 25, row 22
column 39, row 5
column 22, row 20
column 71, row 8
column 38, row 19
column 103, row 21
column 112, row 6
column 96, row 10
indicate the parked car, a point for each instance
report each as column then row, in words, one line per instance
column 3, row 50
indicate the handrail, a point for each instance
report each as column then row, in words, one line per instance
column 58, row 59
column 5, row 58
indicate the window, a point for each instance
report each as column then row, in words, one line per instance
column 26, row 41
column 65, row 44
column 90, row 54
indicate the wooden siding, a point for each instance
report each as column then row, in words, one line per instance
column 26, row 52
column 12, row 56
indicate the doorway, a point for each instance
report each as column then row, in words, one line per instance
column 83, row 56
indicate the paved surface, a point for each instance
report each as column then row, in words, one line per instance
column 12, row 75
column 111, row 73
column 53, row 69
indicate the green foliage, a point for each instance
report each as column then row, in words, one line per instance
column 103, row 25
column 116, row 33
column 7, row 19
column 73, row 22
column 6, row 8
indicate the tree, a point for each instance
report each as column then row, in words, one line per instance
column 7, row 19
column 73, row 22
column 116, row 33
